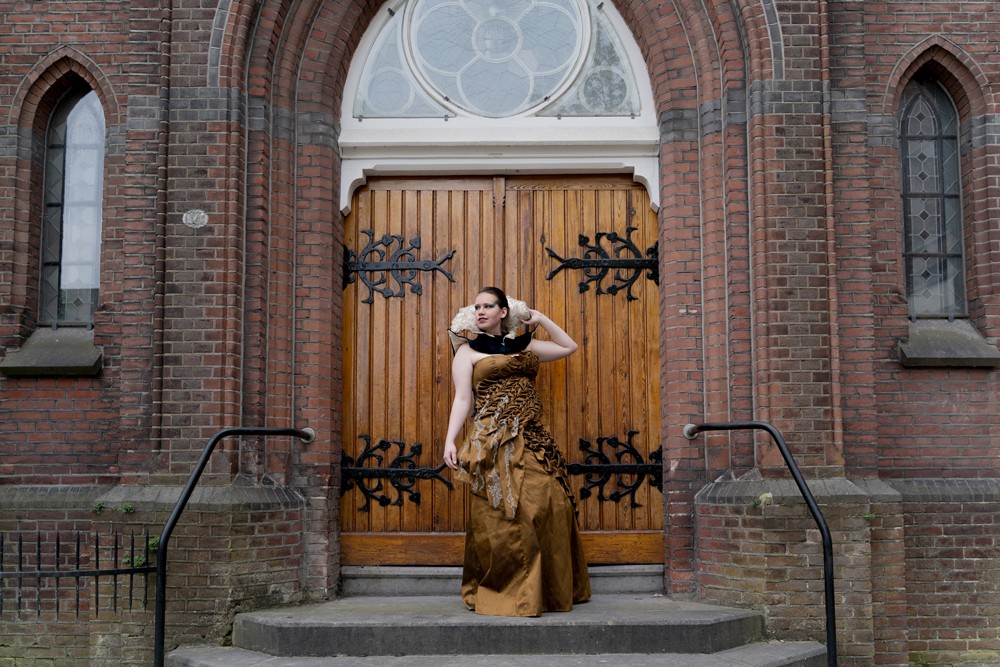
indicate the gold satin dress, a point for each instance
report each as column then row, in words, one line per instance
column 523, row 554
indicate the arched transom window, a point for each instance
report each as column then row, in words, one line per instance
column 495, row 59
column 498, row 86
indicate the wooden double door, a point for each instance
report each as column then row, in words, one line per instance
column 581, row 250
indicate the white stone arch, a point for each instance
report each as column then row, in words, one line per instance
column 465, row 144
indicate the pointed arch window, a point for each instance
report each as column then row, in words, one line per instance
column 932, row 202
column 72, row 208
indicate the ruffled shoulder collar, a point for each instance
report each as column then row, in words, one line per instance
column 488, row 344
column 464, row 324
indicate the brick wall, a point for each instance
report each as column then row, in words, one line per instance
column 759, row 547
column 926, row 422
column 73, row 430
column 951, row 527
column 234, row 549
column 780, row 298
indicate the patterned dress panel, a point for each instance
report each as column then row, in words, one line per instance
column 505, row 427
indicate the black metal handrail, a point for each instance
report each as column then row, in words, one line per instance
column 692, row 430
column 306, row 435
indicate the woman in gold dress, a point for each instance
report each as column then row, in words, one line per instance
column 523, row 554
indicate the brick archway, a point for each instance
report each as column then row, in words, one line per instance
column 298, row 55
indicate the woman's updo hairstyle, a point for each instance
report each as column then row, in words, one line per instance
column 465, row 319
column 500, row 296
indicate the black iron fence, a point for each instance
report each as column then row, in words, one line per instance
column 33, row 569
column 49, row 572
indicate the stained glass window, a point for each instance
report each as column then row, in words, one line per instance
column 932, row 207
column 71, row 224
column 496, row 59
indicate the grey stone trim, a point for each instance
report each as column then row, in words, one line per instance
column 283, row 124
column 947, row 490
column 201, row 104
column 115, row 144
column 985, row 131
column 258, row 114
column 736, row 107
column 143, row 113
column 8, row 141
column 318, row 129
column 883, row 130
column 679, row 125
column 21, row 143
column 210, row 498
column 215, row 42
column 711, row 117
column 751, row 488
column 777, row 43
column 786, row 98
column 942, row 343
column 848, row 105
column 981, row 132
column 879, row 491
column 65, row 352
column 49, row 497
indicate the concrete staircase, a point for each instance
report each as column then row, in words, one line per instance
column 397, row 617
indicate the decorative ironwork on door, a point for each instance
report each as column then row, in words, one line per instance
column 373, row 466
column 401, row 472
column 389, row 258
column 623, row 256
column 598, row 468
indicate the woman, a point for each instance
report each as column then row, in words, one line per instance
column 523, row 553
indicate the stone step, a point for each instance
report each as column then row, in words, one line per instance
column 436, row 625
column 407, row 581
column 624, row 630
column 759, row 654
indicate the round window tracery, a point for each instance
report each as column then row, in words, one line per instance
column 495, row 58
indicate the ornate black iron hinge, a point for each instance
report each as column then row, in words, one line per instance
column 387, row 258
column 598, row 468
column 624, row 257
column 402, row 473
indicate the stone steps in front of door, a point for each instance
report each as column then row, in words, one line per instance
column 405, row 581
column 762, row 654
column 624, row 630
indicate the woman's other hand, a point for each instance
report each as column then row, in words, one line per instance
column 451, row 456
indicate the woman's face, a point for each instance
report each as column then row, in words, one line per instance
column 489, row 315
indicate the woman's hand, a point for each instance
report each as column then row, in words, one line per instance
column 561, row 345
column 451, row 456
column 534, row 317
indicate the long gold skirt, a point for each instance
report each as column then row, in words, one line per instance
column 528, row 565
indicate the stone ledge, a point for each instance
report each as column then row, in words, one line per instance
column 68, row 351
column 49, row 497
column 944, row 343
column 209, row 498
column 749, row 488
column 948, row 490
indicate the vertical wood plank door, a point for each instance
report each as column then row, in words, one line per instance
column 418, row 249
